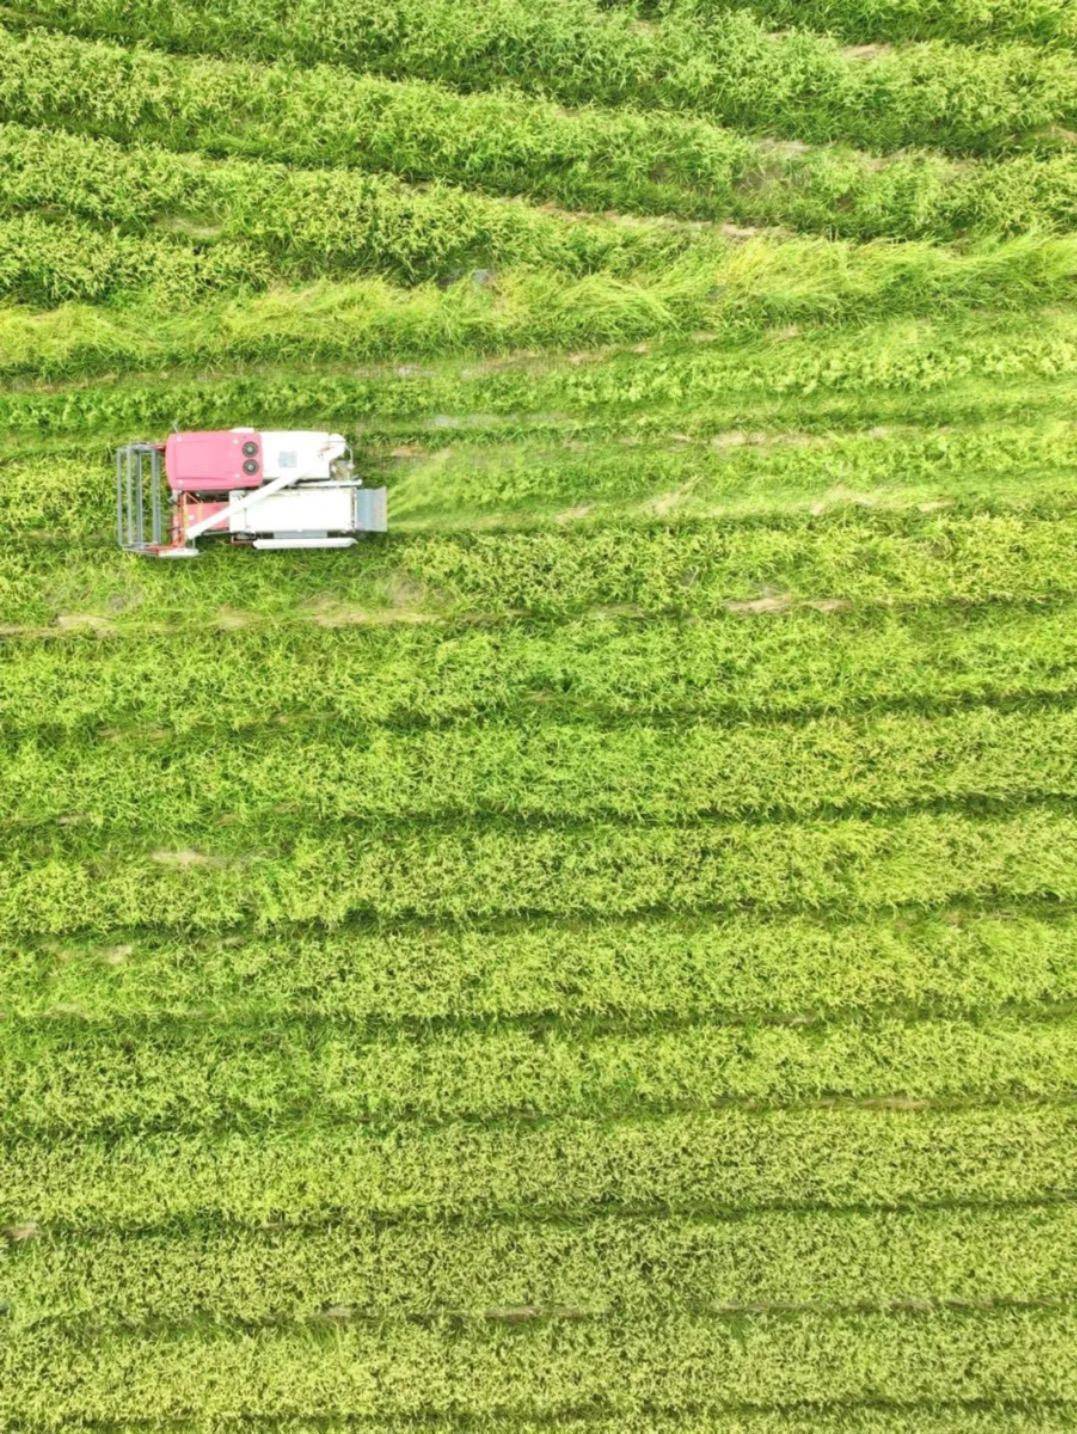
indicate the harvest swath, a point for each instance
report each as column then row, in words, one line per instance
column 602, row 956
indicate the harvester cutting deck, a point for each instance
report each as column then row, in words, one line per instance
column 268, row 489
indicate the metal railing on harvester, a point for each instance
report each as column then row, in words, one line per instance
column 140, row 496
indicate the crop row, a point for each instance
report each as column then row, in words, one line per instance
column 58, row 1375
column 736, row 968
column 388, row 446
column 46, row 261
column 317, row 222
column 450, row 484
column 544, row 770
column 698, row 569
column 753, row 284
column 733, row 70
column 69, row 1076
column 591, row 1267
column 804, row 663
column 888, row 353
column 1044, row 22
column 911, row 1417
column 59, row 882
column 505, row 142
column 684, row 569
column 731, row 1159
column 816, row 378
column 729, row 421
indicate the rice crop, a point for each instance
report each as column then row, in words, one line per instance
column 601, row 955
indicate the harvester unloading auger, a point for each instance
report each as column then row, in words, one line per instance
column 268, row 489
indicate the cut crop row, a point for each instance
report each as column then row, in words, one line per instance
column 451, row 484
column 798, row 663
column 602, row 1266
column 733, row 69
column 887, row 353
column 56, row 1376
column 508, row 143
column 71, row 1076
column 654, row 446
column 736, row 968
column 543, row 771
column 58, row 882
column 732, row 1159
column 701, row 570
column 721, row 423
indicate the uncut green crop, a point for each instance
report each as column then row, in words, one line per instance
column 1045, row 22
column 737, row 667
column 737, row 968
column 56, row 882
column 63, row 1077
column 509, row 143
column 549, row 770
column 836, row 559
column 588, row 1267
column 309, row 222
column 893, row 1155
column 618, row 1366
column 797, row 84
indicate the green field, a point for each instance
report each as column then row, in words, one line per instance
column 603, row 956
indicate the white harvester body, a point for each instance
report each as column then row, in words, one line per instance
column 268, row 488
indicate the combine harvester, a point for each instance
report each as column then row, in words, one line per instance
column 267, row 489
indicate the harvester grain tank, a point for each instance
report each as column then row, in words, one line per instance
column 266, row 488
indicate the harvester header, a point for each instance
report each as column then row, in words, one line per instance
column 269, row 488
